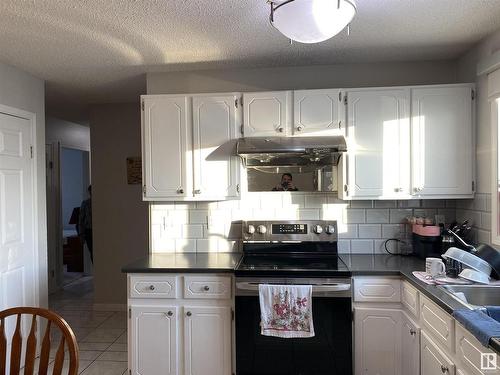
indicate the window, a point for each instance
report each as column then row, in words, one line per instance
column 495, row 124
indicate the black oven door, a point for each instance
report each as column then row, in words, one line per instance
column 328, row 353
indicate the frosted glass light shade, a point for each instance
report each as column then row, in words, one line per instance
column 313, row 21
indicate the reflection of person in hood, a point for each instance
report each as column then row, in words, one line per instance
column 286, row 183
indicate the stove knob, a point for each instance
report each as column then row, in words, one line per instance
column 330, row 229
column 261, row 229
column 318, row 229
column 251, row 229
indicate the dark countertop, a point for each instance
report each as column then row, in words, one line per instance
column 358, row 264
column 185, row 262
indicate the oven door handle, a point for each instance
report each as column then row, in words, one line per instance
column 333, row 287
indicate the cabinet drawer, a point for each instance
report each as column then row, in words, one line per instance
column 469, row 351
column 410, row 298
column 433, row 360
column 377, row 289
column 153, row 287
column 210, row 287
column 437, row 322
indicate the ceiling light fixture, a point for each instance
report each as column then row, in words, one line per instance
column 311, row 21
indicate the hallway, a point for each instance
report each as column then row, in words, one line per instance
column 101, row 335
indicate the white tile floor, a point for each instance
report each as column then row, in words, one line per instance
column 101, row 335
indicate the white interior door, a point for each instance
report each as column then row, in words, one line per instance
column 214, row 124
column 18, row 278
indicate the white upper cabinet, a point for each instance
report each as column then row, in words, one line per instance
column 378, row 133
column 442, row 141
column 215, row 122
column 267, row 114
column 179, row 135
column 166, row 140
column 316, row 112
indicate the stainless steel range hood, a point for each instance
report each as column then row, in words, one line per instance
column 307, row 152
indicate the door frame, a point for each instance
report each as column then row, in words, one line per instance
column 36, row 224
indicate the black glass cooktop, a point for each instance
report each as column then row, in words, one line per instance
column 281, row 261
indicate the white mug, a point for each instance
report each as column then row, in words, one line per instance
column 434, row 266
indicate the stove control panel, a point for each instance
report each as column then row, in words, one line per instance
column 290, row 230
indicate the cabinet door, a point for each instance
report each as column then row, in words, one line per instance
column 378, row 143
column 207, row 340
column 166, row 140
column 153, row 340
column 377, row 341
column 215, row 123
column 410, row 347
column 266, row 114
column 432, row 360
column 442, row 139
column 316, row 112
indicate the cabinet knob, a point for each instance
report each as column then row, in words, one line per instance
column 151, row 287
column 413, row 332
column 170, row 313
column 206, row 288
column 281, row 130
column 198, row 191
column 398, row 190
column 418, row 189
column 300, row 128
column 189, row 313
column 180, row 191
column 444, row 369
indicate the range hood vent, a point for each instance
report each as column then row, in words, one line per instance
column 308, row 152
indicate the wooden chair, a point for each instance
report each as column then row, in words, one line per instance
column 67, row 337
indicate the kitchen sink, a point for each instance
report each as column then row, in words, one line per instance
column 474, row 296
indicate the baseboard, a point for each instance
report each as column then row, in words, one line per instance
column 110, row 307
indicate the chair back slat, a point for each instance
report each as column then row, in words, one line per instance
column 15, row 351
column 59, row 361
column 3, row 347
column 45, row 351
column 29, row 362
column 68, row 340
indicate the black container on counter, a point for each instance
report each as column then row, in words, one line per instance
column 427, row 246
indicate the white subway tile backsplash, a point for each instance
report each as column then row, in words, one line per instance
column 483, row 236
column 192, row 231
column 198, row 216
column 385, row 204
column 308, row 214
column 391, row 230
column 315, row 201
column 369, row 231
column 344, row 246
column 348, row 231
column 399, row 216
column 377, row 216
column 362, row 225
column 379, row 247
column 184, row 245
column 361, row 204
column 362, row 246
column 354, row 216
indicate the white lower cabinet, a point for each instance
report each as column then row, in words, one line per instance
column 377, row 341
column 178, row 336
column 410, row 346
column 433, row 360
column 207, row 340
column 154, row 340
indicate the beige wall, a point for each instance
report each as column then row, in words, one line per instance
column 479, row 209
column 23, row 91
column 303, row 77
column 69, row 134
column 120, row 218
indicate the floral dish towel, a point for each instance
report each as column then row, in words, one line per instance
column 286, row 311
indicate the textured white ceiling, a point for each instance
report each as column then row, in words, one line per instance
column 98, row 50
